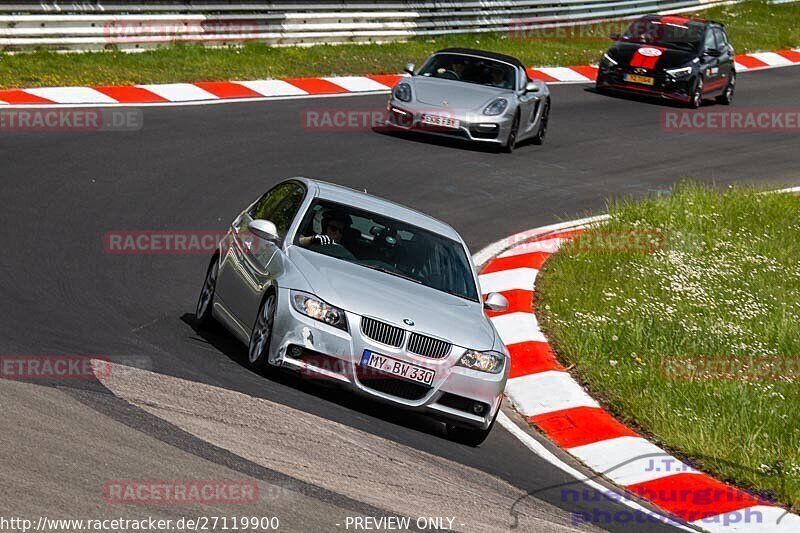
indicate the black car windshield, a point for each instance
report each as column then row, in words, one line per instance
column 470, row 69
column 688, row 35
column 388, row 245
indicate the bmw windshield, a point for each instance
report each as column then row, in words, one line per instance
column 381, row 243
column 688, row 36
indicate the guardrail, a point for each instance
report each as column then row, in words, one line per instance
column 97, row 25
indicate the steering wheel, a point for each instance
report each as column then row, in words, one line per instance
column 450, row 74
column 335, row 250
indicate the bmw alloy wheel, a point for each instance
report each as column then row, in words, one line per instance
column 262, row 333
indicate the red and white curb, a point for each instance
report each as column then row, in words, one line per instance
column 227, row 91
column 548, row 397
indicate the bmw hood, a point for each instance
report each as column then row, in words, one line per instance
column 392, row 299
column 650, row 57
column 454, row 94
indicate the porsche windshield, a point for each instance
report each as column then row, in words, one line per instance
column 469, row 69
column 388, row 245
column 688, row 36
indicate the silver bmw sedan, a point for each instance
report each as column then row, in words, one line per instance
column 346, row 287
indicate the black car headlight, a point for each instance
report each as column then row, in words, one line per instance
column 402, row 92
column 491, row 361
column 680, row 72
column 313, row 307
column 608, row 62
column 496, row 107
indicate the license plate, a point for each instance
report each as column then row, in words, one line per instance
column 437, row 120
column 634, row 78
column 397, row 368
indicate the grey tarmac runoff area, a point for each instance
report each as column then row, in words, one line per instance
column 189, row 409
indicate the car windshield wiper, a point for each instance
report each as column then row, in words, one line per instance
column 393, row 273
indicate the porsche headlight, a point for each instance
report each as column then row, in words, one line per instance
column 315, row 308
column 496, row 107
column 608, row 61
column 403, row 92
column 491, row 361
column 679, row 72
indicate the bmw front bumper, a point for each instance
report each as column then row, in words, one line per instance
column 458, row 395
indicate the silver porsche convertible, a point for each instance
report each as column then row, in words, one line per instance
column 474, row 95
column 356, row 290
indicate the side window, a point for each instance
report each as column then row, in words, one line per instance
column 279, row 206
column 722, row 41
column 711, row 42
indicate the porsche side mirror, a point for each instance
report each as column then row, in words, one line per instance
column 532, row 87
column 409, row 68
column 495, row 302
column 264, row 229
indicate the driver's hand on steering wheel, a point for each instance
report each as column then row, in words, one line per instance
column 323, row 239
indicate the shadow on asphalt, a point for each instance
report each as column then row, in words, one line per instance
column 219, row 338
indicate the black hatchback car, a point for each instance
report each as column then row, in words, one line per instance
column 674, row 57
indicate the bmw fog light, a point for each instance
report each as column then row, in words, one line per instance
column 491, row 362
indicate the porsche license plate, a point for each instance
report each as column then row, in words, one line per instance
column 635, row 78
column 438, row 120
column 397, row 368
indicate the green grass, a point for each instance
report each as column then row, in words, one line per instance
column 752, row 26
column 725, row 282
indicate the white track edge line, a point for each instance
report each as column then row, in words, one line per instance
column 538, row 449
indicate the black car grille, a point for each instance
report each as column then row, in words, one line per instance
column 428, row 346
column 383, row 332
column 388, row 384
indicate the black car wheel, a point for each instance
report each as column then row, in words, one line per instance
column 258, row 348
column 540, row 135
column 205, row 302
column 470, row 436
column 726, row 98
column 697, row 94
column 511, row 142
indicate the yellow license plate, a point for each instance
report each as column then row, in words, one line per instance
column 634, row 78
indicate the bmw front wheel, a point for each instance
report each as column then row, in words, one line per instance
column 205, row 302
column 258, row 348
column 470, row 436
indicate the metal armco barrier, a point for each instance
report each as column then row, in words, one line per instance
column 98, row 25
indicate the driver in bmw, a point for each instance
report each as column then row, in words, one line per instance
column 334, row 224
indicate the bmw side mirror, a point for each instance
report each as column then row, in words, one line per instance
column 713, row 52
column 409, row 68
column 264, row 229
column 531, row 87
column 495, row 302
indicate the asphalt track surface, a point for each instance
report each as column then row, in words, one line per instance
column 196, row 412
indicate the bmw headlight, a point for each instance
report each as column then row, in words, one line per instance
column 679, row 72
column 496, row 107
column 491, row 362
column 315, row 308
column 608, row 61
column 402, row 92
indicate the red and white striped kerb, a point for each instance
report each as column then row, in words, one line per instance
column 203, row 92
column 542, row 390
